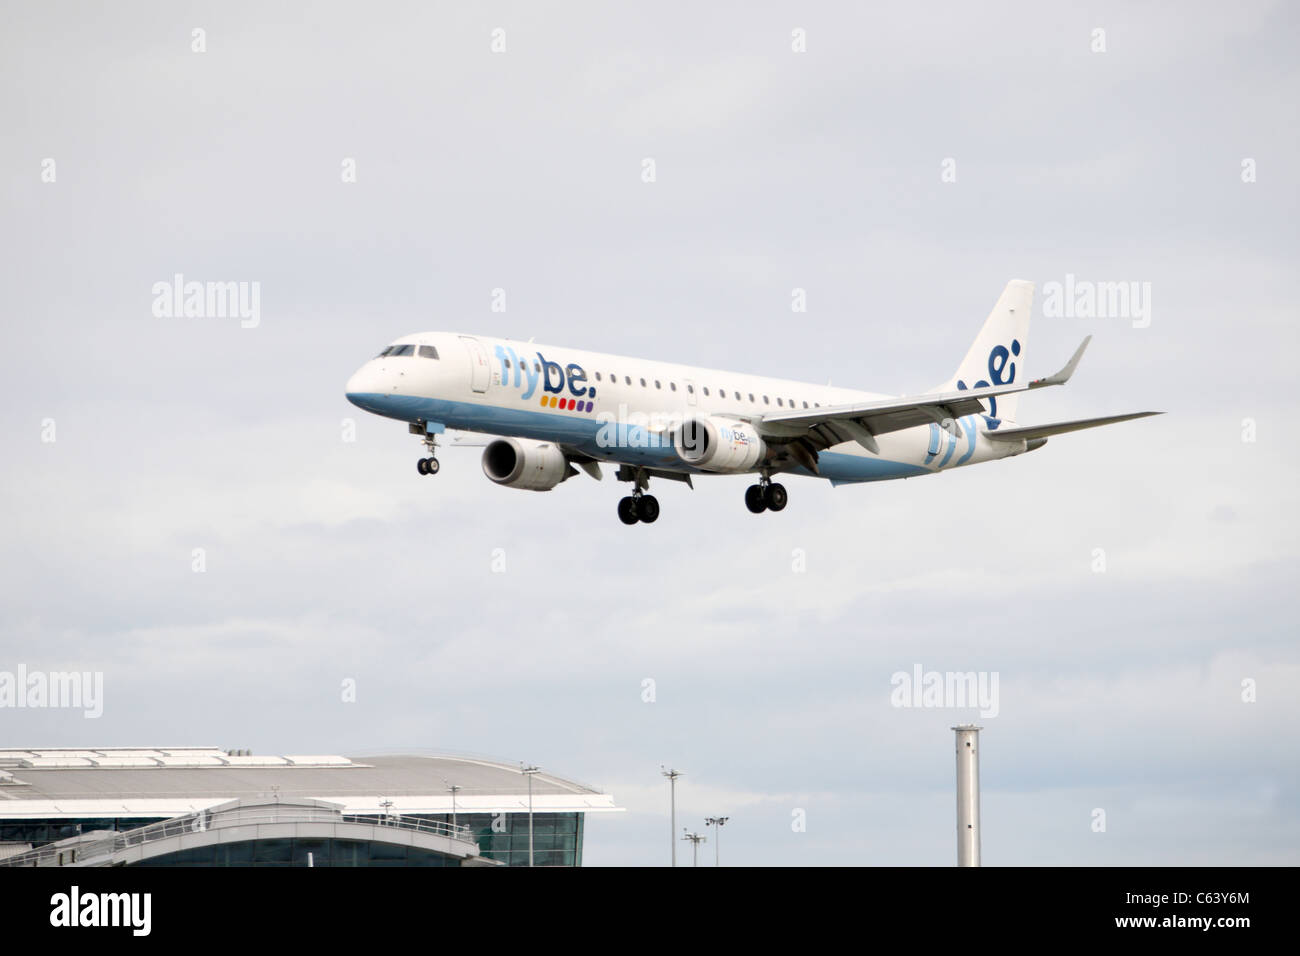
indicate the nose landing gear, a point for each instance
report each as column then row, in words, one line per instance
column 426, row 466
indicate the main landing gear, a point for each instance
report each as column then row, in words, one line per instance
column 767, row 495
column 638, row 506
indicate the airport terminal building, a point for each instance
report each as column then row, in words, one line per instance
column 203, row 806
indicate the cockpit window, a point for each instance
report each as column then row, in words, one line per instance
column 428, row 351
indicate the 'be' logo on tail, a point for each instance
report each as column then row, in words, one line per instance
column 1000, row 365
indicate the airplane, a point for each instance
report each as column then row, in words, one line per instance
column 551, row 411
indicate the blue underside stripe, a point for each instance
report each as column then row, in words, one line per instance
column 636, row 445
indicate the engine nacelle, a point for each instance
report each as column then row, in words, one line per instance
column 521, row 463
column 719, row 444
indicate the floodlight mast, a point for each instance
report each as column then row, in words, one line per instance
column 696, row 839
column 672, row 776
column 717, row 837
column 529, row 772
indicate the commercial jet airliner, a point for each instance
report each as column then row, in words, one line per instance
column 550, row 409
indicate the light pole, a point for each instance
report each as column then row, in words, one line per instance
column 453, row 788
column 529, row 772
column 695, row 839
column 672, row 776
column 717, row 837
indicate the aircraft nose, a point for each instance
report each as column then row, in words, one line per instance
column 363, row 382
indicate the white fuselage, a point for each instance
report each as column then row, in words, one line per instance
column 620, row 409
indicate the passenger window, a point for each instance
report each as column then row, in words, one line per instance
column 805, row 404
column 643, row 383
column 628, row 379
column 691, row 389
column 597, row 374
column 779, row 402
column 657, row 385
column 751, row 396
column 737, row 396
column 673, row 386
column 706, row 389
column 765, row 401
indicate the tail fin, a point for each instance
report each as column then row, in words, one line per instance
column 997, row 355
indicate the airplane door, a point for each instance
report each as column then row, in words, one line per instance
column 480, row 370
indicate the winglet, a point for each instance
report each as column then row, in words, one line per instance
column 1063, row 376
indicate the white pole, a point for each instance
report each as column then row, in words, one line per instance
column 968, row 795
column 716, row 823
column 528, row 772
column 672, row 819
column 672, row 776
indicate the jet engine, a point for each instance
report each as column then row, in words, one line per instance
column 719, row 444
column 522, row 463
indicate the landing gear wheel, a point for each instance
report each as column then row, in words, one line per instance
column 775, row 497
column 647, row 508
column 429, row 465
column 755, row 500
column 627, row 510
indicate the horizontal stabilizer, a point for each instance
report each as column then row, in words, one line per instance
column 1060, row 428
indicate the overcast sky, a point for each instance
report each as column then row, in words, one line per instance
column 327, row 560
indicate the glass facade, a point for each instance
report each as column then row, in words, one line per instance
column 38, row 832
column 293, row 851
column 557, row 841
column 557, row 837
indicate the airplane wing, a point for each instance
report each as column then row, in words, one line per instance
column 1060, row 428
column 861, row 422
